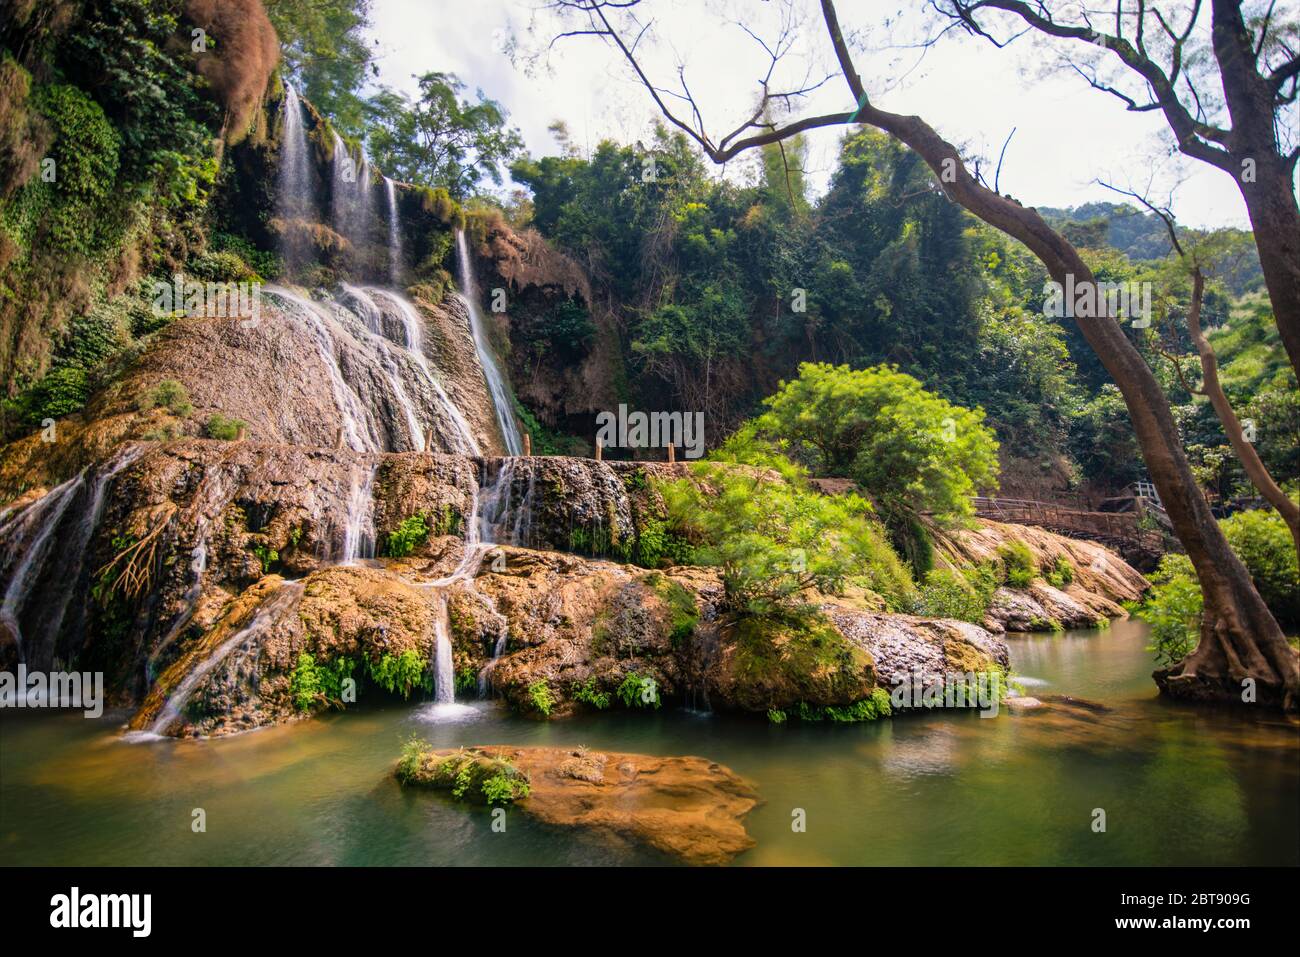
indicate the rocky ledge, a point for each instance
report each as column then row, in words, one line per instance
column 688, row 807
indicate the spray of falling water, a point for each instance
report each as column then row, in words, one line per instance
column 497, row 388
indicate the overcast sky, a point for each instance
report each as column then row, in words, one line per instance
column 1067, row 135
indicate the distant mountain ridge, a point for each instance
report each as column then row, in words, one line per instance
column 1141, row 235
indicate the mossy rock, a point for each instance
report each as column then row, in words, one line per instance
column 468, row 774
column 776, row 661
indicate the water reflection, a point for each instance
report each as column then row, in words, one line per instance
column 1178, row 785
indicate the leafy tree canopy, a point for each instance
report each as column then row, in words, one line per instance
column 442, row 139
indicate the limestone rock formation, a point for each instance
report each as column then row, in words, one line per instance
column 690, row 808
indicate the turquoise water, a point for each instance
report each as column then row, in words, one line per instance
column 1178, row 785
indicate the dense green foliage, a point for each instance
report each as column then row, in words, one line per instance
column 752, row 513
column 325, row 55
column 312, row 682
column 409, row 535
column 1173, row 606
column 963, row 594
column 441, row 139
column 910, row 450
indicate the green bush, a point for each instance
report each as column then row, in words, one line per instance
column 951, row 594
column 1017, row 564
column 638, row 692
column 1262, row 541
column 60, row 392
column 539, row 693
column 220, row 267
column 755, row 516
column 401, row 674
column 220, row 427
column 587, row 693
column 1173, row 605
column 1061, row 573
column 1173, row 609
column 263, row 264
column 170, row 395
column 413, row 751
column 502, row 789
column 409, row 535
column 311, row 681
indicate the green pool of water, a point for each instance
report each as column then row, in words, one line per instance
column 1178, row 785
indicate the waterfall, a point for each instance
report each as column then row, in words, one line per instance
column 265, row 616
column 387, row 395
column 384, row 351
column 462, row 436
column 295, row 200
column 358, row 429
column 394, row 236
column 489, row 513
column 80, row 542
column 215, row 492
column 350, row 205
column 359, row 528
column 444, row 675
column 491, row 371
column 35, row 527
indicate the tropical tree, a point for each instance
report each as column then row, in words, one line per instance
column 442, row 139
column 1242, row 652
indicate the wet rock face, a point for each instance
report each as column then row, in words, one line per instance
column 903, row 647
column 1041, row 607
column 1101, row 579
column 689, row 808
column 377, row 374
column 217, row 516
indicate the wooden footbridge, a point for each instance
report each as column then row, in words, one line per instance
column 1128, row 532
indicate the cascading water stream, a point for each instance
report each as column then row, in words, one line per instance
column 294, row 197
column 359, row 529
column 358, row 427
column 85, row 529
column 351, row 204
column 39, row 522
column 263, row 618
column 373, row 336
column 461, row 437
column 394, row 236
column 497, row 388
column 494, row 520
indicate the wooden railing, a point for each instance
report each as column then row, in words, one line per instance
column 1117, row 528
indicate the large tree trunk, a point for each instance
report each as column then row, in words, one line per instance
column 1275, row 218
column 1256, row 471
column 1261, row 172
column 1240, row 639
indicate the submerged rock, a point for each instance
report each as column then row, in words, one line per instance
column 688, row 807
column 1022, row 703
